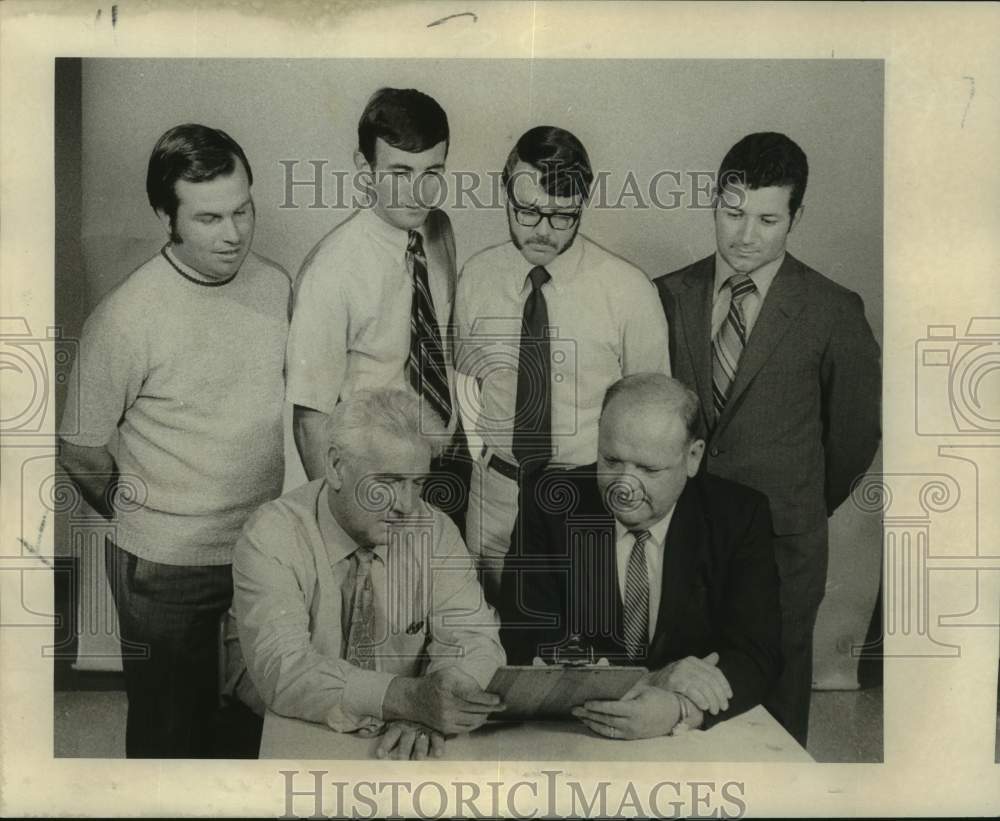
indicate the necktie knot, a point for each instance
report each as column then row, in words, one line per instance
column 539, row 276
column 415, row 243
column 641, row 537
column 364, row 556
column 739, row 286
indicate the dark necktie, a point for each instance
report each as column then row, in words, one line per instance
column 637, row 598
column 532, row 445
column 729, row 342
column 425, row 367
column 361, row 638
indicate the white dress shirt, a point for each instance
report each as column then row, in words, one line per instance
column 350, row 327
column 606, row 320
column 291, row 571
column 625, row 542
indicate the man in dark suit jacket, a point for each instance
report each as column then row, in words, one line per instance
column 788, row 373
column 642, row 560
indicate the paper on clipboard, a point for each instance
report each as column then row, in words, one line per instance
column 551, row 691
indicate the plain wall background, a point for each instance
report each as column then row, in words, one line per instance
column 642, row 116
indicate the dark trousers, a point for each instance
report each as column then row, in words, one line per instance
column 169, row 621
column 802, row 560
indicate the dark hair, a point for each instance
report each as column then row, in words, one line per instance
column 405, row 118
column 191, row 152
column 559, row 155
column 764, row 159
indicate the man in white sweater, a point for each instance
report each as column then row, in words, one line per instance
column 178, row 416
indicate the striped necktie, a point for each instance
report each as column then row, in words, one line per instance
column 729, row 342
column 425, row 367
column 637, row 599
column 361, row 638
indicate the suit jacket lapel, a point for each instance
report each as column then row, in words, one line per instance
column 680, row 559
column 694, row 303
column 785, row 300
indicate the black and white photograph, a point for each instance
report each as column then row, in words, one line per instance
column 501, row 427
column 409, row 240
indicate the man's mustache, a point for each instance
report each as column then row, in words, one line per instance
column 543, row 242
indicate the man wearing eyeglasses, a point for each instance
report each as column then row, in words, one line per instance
column 545, row 323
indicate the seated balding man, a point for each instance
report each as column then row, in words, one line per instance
column 357, row 602
column 643, row 561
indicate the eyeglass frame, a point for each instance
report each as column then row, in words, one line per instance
column 520, row 209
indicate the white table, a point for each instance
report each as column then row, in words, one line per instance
column 753, row 736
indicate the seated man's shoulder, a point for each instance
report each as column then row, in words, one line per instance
column 272, row 527
column 561, row 492
column 447, row 538
column 720, row 494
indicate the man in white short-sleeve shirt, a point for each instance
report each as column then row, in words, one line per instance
column 544, row 323
column 374, row 297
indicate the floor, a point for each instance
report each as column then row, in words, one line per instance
column 844, row 726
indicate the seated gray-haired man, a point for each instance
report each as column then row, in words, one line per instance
column 357, row 603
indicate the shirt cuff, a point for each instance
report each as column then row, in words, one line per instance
column 364, row 691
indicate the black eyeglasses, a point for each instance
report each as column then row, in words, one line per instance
column 530, row 217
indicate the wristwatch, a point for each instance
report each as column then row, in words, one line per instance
column 681, row 726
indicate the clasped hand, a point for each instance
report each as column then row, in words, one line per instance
column 698, row 679
column 652, row 707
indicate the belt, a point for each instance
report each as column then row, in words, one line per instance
column 502, row 466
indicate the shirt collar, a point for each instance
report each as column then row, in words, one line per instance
column 336, row 541
column 657, row 533
column 561, row 269
column 762, row 277
column 398, row 238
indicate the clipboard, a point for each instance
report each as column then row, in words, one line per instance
column 549, row 692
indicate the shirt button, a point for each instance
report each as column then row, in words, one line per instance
column 714, row 451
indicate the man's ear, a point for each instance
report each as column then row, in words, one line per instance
column 360, row 163
column 334, row 465
column 695, row 452
column 796, row 218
